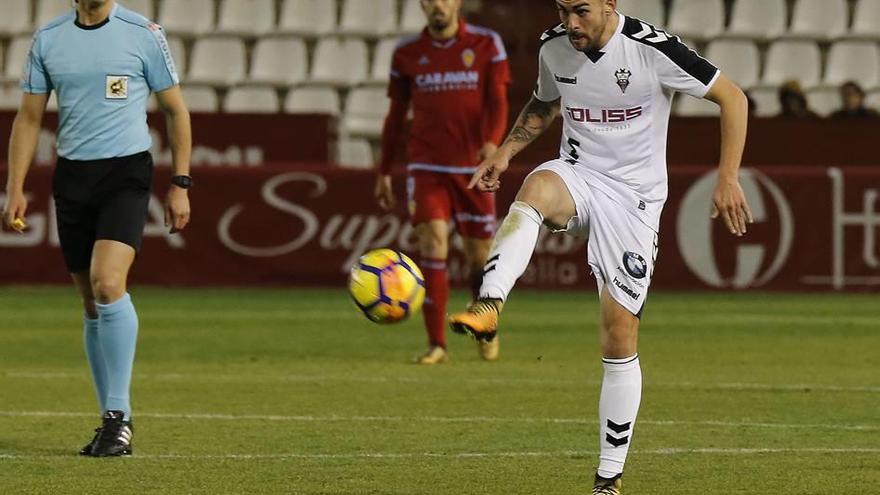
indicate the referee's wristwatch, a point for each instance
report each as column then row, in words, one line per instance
column 182, row 181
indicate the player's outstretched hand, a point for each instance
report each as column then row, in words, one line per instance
column 730, row 203
column 383, row 192
column 176, row 209
column 15, row 208
column 486, row 178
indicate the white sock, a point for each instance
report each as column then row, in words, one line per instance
column 511, row 250
column 618, row 408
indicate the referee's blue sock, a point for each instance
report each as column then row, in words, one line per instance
column 96, row 359
column 117, row 333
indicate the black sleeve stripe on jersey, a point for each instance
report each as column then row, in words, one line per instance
column 554, row 32
column 671, row 46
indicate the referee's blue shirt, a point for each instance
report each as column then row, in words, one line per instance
column 103, row 76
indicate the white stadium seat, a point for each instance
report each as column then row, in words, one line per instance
column 251, row 99
column 824, row 101
column 307, row 17
column 340, row 63
column 866, row 19
column 142, row 7
column 217, row 61
column 50, row 9
column 412, row 18
column 857, row 61
column 766, row 101
column 758, row 19
column 279, row 61
column 178, row 54
column 368, row 18
column 688, row 106
column 382, row 56
column 312, row 100
column 187, row 17
column 650, row 11
column 10, row 96
column 700, row 19
column 16, row 18
column 819, row 19
column 201, row 99
column 354, row 153
column 365, row 110
column 738, row 59
column 792, row 59
column 16, row 55
column 872, row 100
column 246, row 17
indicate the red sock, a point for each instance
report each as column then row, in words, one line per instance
column 436, row 297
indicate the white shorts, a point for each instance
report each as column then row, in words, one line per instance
column 621, row 250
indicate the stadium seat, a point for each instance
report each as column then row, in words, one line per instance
column 382, row 56
column 866, row 19
column 201, row 99
column 339, row 63
column 312, row 100
column 187, row 17
column 16, row 54
column 46, row 10
column 700, row 19
column 857, row 61
column 142, row 7
column 688, row 106
column 368, row 18
column 279, row 61
column 365, row 110
column 650, row 11
column 354, row 153
column 872, row 100
column 218, row 61
column 739, row 59
column 792, row 59
column 766, row 101
column 824, row 101
column 246, row 17
column 251, row 99
column 10, row 96
column 757, row 19
column 412, row 18
column 152, row 104
column 16, row 18
column 307, row 17
column 818, row 19
column 178, row 54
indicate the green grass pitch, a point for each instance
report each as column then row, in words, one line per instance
column 293, row 391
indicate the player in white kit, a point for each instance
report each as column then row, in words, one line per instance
column 612, row 79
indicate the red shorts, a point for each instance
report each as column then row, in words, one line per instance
column 444, row 196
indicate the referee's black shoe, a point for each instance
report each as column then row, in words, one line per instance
column 114, row 440
column 87, row 449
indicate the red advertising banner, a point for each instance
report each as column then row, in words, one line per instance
column 816, row 229
column 219, row 140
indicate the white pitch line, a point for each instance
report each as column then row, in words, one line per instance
column 736, row 386
column 441, row 419
column 471, row 455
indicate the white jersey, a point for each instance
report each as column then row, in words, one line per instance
column 615, row 108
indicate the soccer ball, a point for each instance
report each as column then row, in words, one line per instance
column 386, row 286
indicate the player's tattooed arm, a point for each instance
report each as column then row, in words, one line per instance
column 534, row 119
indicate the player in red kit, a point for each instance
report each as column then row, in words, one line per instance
column 454, row 76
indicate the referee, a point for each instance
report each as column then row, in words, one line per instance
column 102, row 61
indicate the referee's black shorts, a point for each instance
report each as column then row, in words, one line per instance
column 100, row 199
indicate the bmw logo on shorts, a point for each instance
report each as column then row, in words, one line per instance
column 635, row 265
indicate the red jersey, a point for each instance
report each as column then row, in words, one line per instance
column 451, row 86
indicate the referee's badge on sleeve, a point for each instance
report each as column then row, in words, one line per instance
column 117, row 88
